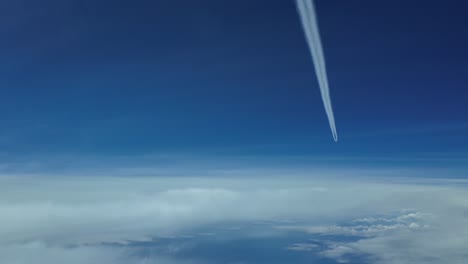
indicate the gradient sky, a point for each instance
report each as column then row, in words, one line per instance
column 105, row 79
column 104, row 102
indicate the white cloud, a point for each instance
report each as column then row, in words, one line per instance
column 370, row 226
column 71, row 216
column 302, row 247
column 339, row 252
column 443, row 245
column 38, row 252
column 408, row 237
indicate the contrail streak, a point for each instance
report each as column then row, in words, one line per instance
column 308, row 17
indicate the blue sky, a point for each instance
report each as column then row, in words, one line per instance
column 112, row 78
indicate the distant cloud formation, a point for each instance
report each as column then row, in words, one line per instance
column 302, row 247
column 55, row 220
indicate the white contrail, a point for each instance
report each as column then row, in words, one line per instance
column 309, row 22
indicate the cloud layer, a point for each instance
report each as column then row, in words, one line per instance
column 56, row 220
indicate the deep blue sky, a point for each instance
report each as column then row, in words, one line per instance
column 111, row 78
